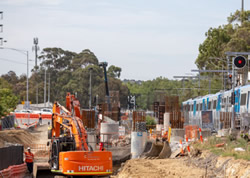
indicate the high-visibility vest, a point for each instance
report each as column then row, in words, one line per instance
column 29, row 157
column 101, row 146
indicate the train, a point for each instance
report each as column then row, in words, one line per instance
column 206, row 111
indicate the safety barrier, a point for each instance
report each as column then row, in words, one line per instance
column 191, row 131
column 32, row 116
column 37, row 147
column 15, row 171
column 7, row 122
column 11, row 155
column 34, row 124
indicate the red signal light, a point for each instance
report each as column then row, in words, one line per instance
column 239, row 62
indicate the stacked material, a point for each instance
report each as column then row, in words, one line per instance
column 140, row 126
column 138, row 117
column 121, row 142
column 88, row 118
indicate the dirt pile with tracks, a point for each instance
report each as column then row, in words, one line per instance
column 205, row 164
column 144, row 168
column 23, row 137
column 220, row 166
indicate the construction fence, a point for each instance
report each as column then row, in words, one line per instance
column 7, row 122
column 11, row 155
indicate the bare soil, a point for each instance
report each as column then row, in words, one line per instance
column 143, row 168
column 205, row 165
column 23, row 137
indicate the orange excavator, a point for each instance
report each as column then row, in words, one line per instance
column 70, row 153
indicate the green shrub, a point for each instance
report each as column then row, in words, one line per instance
column 150, row 120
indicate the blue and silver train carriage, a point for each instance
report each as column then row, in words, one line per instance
column 214, row 104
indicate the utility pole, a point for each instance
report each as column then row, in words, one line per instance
column 49, row 89
column 199, row 92
column 233, row 88
column 242, row 10
column 45, row 87
column 90, row 89
column 36, row 48
column 1, row 28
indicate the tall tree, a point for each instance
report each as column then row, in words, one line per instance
column 7, row 98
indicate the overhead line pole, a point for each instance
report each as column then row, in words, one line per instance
column 49, row 89
column 44, row 88
column 242, row 10
column 90, row 87
column 36, row 48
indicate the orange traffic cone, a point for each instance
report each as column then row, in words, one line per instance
column 182, row 151
column 201, row 135
column 188, row 148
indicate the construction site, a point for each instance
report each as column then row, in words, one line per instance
column 124, row 89
column 167, row 149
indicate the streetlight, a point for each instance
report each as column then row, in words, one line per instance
column 27, row 83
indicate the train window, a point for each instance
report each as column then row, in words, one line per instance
column 197, row 107
column 200, row 106
column 192, row 107
column 243, row 99
column 229, row 101
column 209, row 105
column 214, row 104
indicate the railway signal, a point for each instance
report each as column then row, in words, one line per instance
column 239, row 62
column 233, row 98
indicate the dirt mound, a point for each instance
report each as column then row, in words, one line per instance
column 143, row 168
column 220, row 166
column 41, row 153
column 16, row 136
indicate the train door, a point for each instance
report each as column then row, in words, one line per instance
column 248, row 95
column 217, row 115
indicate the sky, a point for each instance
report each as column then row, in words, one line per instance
column 146, row 38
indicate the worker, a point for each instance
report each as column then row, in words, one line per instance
column 165, row 136
column 40, row 119
column 101, row 146
column 29, row 157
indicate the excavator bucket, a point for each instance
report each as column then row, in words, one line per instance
column 155, row 149
column 159, row 150
column 85, row 163
column 165, row 152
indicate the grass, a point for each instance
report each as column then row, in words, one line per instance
column 227, row 149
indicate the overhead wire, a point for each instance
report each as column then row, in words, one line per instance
column 13, row 61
